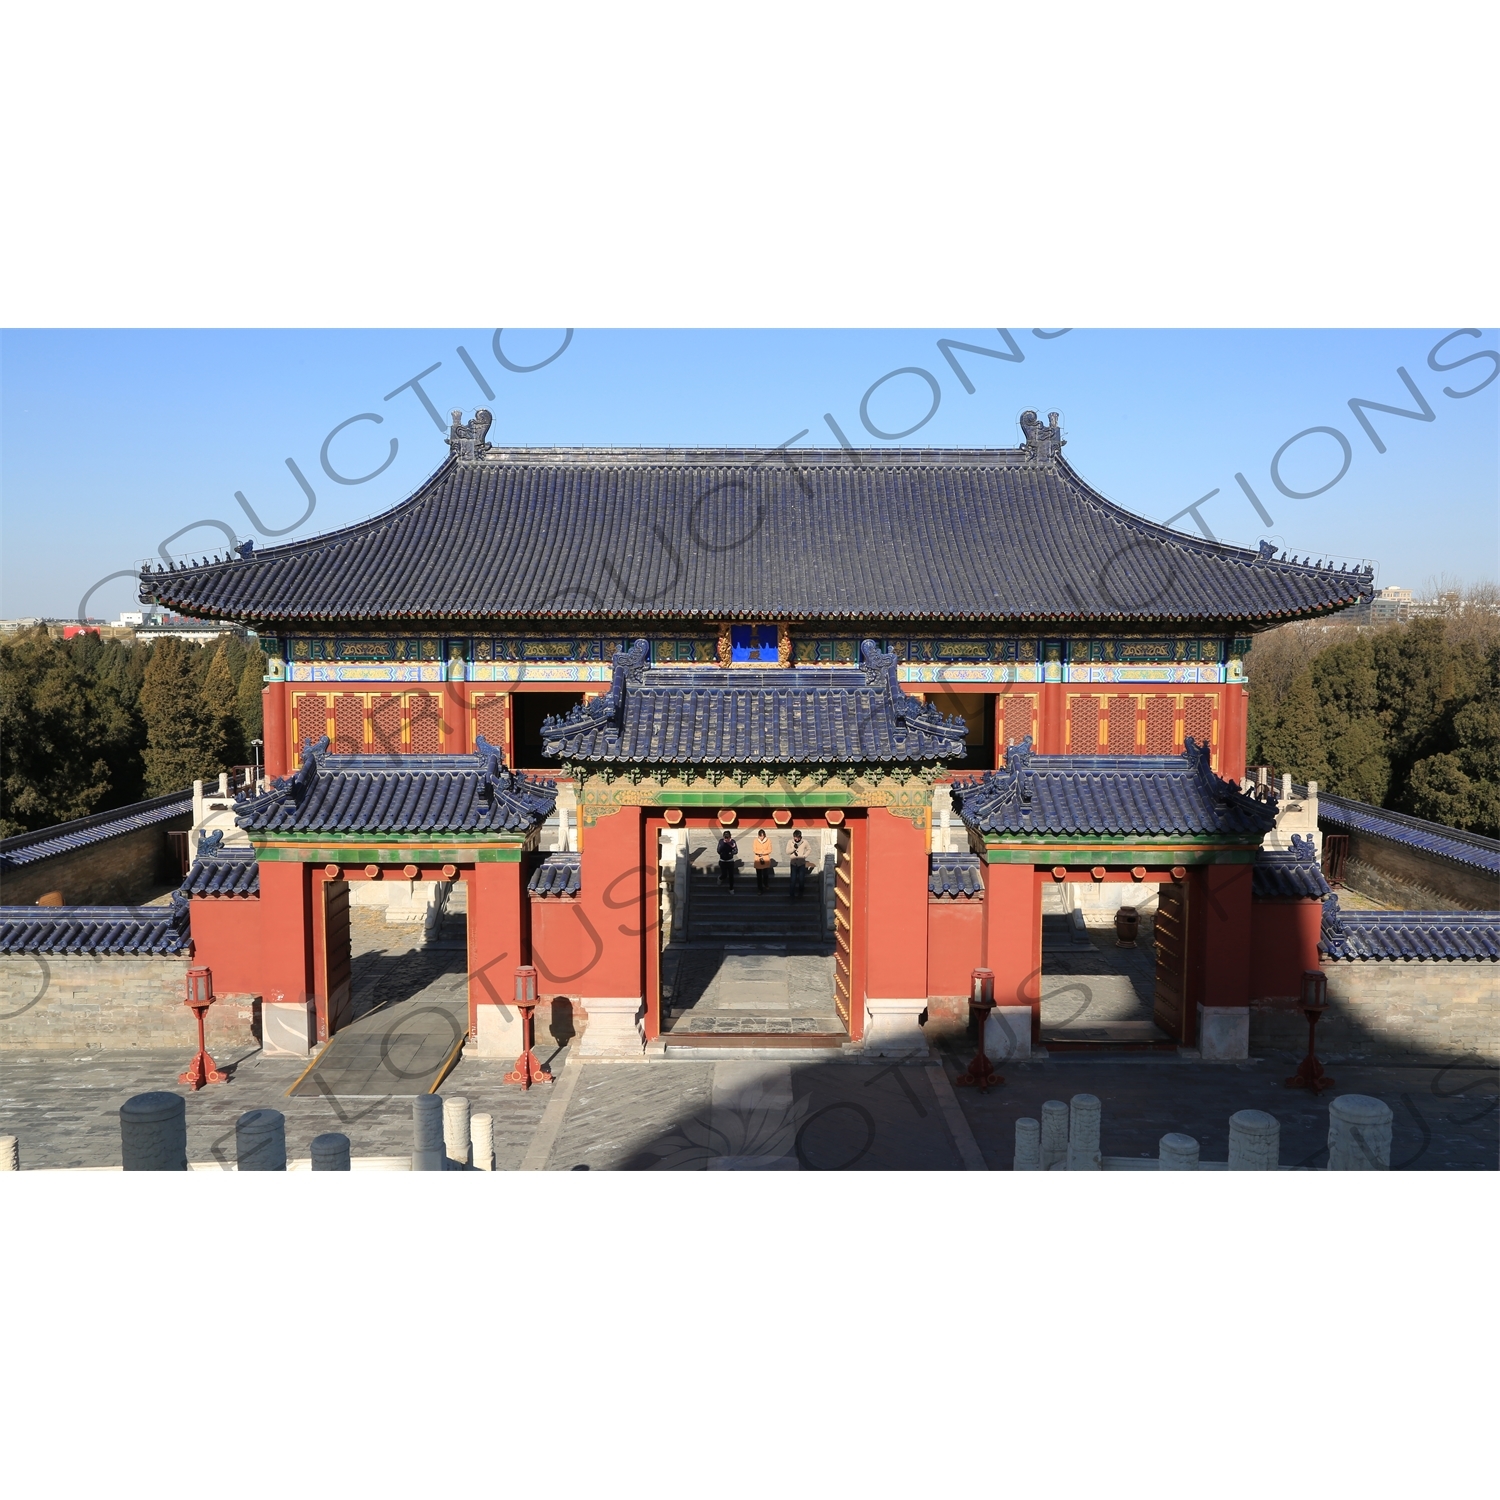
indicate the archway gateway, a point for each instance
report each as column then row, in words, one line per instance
column 738, row 965
column 343, row 819
column 1164, row 821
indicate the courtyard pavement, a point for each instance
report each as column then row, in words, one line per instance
column 703, row 1114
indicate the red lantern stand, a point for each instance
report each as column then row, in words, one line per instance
column 980, row 1073
column 200, row 995
column 1314, row 1002
column 527, row 1070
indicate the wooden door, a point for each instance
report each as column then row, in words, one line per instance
column 333, row 977
column 843, row 923
column 1170, row 1008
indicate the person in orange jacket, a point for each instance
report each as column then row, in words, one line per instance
column 762, row 848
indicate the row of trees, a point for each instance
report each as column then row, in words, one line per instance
column 89, row 724
column 1404, row 716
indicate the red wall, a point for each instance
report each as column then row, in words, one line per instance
column 285, row 959
column 565, row 944
column 1283, row 943
column 895, row 907
column 227, row 938
column 497, row 937
column 955, row 945
column 611, row 899
column 1013, row 937
column 1223, row 919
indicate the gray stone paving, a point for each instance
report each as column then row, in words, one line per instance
column 709, row 987
column 65, row 1108
column 1098, row 991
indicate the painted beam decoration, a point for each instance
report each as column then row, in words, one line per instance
column 937, row 659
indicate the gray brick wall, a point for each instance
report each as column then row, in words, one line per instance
column 113, row 872
column 1394, row 1009
column 78, row 1003
column 1409, row 880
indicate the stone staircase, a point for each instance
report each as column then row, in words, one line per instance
column 716, row 915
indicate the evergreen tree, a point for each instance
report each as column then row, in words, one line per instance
column 251, row 683
column 1353, row 736
column 50, row 769
column 1294, row 741
column 178, row 734
column 221, row 709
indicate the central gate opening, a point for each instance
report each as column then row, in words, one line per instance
column 390, row 976
column 748, row 950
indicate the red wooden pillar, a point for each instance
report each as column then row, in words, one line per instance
column 276, row 730
column 497, row 944
column 286, row 957
column 455, row 718
column 1051, row 731
column 1013, row 937
column 1234, row 707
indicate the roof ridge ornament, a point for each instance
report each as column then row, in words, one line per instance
column 466, row 439
column 1043, row 444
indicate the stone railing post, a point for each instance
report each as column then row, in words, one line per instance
column 1054, row 1134
column 153, row 1133
column 1359, row 1134
column 1254, row 1141
column 427, row 1151
column 456, row 1145
column 260, row 1141
column 1028, row 1156
column 1177, row 1153
column 330, row 1152
column 482, row 1142
column 1084, row 1113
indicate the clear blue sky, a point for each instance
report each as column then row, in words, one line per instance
column 113, row 440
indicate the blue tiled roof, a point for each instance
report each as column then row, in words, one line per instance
column 997, row 534
column 1130, row 795
column 1289, row 874
column 409, row 794
column 1473, row 849
column 218, row 871
column 556, row 875
column 1425, row 936
column 26, row 848
column 119, row 930
column 741, row 715
column 955, row 875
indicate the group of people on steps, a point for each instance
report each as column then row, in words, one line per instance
column 797, row 861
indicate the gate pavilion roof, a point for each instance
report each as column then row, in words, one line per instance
column 1289, row 874
column 411, row 794
column 525, row 534
column 740, row 716
column 1126, row 795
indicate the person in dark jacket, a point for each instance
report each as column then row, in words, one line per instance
column 728, row 853
column 797, row 863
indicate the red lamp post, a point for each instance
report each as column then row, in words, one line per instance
column 200, row 995
column 980, row 1074
column 1314, row 1002
column 527, row 1070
